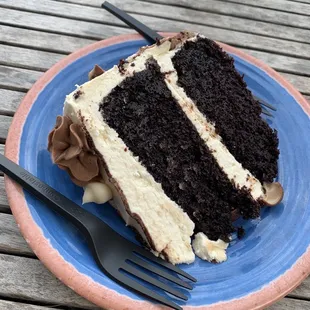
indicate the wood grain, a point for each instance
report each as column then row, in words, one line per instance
column 302, row 291
column 41, row 40
column 241, row 10
column 282, row 63
column 279, row 5
column 5, row 122
column 17, row 78
column 60, row 25
column 12, row 305
column 4, row 204
column 10, row 100
column 302, row 83
column 225, row 35
column 11, row 241
column 27, row 58
column 26, row 278
column 166, row 9
column 290, row 304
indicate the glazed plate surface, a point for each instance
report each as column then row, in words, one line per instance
column 271, row 259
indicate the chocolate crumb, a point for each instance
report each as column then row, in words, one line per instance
column 157, row 41
column 77, row 94
column 168, row 72
column 240, row 232
column 125, row 149
column 121, row 64
column 225, row 238
column 133, row 64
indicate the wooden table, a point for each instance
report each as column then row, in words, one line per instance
column 35, row 34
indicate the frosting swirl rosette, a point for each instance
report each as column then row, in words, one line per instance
column 70, row 150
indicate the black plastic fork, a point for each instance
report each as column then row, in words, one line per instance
column 153, row 36
column 116, row 256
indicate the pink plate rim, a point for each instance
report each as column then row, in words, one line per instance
column 82, row 284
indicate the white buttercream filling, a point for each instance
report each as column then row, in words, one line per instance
column 208, row 249
column 97, row 192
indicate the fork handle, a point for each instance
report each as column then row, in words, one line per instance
column 83, row 219
column 145, row 31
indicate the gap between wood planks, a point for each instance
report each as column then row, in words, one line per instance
column 41, row 60
column 17, row 304
column 254, row 42
column 68, row 10
column 276, row 5
column 28, row 279
column 240, row 10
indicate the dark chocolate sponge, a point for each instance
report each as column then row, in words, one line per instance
column 153, row 126
column 210, row 79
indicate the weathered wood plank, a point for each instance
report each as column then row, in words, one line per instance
column 228, row 36
column 26, row 278
column 12, row 305
column 280, row 5
column 4, row 204
column 41, row 40
column 282, row 63
column 302, row 291
column 302, row 83
column 17, row 78
column 27, row 58
column 11, row 240
column 10, row 100
column 98, row 31
column 5, row 122
column 60, row 25
column 290, row 304
column 241, row 10
column 301, row 1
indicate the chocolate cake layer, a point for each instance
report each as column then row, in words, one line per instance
column 150, row 122
column 209, row 78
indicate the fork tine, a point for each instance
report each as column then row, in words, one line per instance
column 143, row 276
column 134, row 285
column 266, row 112
column 267, row 105
column 146, row 254
column 264, row 103
column 159, row 271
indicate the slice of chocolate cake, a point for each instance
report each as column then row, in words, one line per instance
column 175, row 138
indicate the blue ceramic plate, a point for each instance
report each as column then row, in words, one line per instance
column 266, row 264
